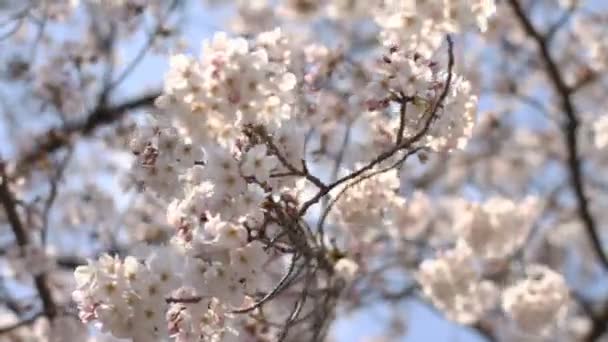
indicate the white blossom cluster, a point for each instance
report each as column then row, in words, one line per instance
column 364, row 207
column 126, row 297
column 374, row 207
column 413, row 24
column 420, row 25
column 161, row 156
column 226, row 148
column 454, row 285
column 491, row 231
column 29, row 258
column 495, row 228
column 420, row 83
column 218, row 195
column 169, row 293
column 594, row 38
column 122, row 10
column 538, row 302
column 56, row 83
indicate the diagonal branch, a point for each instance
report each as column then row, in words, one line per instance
column 8, row 203
column 57, row 138
column 564, row 92
column 403, row 144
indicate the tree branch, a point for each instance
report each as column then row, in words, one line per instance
column 8, row 202
column 564, row 92
column 57, row 138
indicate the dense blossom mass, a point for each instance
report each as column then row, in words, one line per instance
column 227, row 142
column 312, row 158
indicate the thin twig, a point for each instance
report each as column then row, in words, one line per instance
column 275, row 291
column 404, row 144
column 144, row 49
column 53, row 189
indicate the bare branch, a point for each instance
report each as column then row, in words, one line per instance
column 8, row 202
column 57, row 138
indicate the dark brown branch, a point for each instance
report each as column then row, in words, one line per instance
column 564, row 92
column 57, row 138
column 8, row 203
column 402, row 110
column 599, row 324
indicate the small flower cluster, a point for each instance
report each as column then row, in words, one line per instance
column 374, row 207
column 454, row 285
column 56, row 83
column 417, row 84
column 170, row 293
column 161, row 155
column 364, row 206
column 234, row 84
column 420, row 25
column 537, row 302
column 491, row 232
column 496, row 228
column 593, row 37
column 126, row 298
column 29, row 258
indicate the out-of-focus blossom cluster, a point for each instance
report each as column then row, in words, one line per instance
column 454, row 285
column 495, row 228
column 538, row 301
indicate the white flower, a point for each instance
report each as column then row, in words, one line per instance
column 223, row 171
column 410, row 217
column 538, row 302
column 453, row 285
column 496, row 228
column 257, row 164
column 346, row 269
column 247, row 261
column 166, row 265
column 218, row 234
column 600, row 129
column 250, row 202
